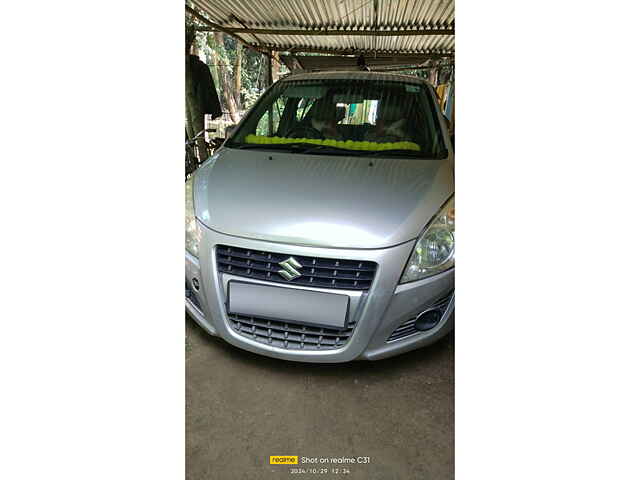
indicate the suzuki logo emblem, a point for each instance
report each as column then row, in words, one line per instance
column 289, row 265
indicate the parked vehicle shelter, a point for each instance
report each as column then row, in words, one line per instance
column 383, row 33
column 241, row 407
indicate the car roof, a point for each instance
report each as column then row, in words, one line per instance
column 351, row 75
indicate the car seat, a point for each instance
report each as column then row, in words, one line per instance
column 391, row 122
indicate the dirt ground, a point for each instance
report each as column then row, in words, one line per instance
column 242, row 408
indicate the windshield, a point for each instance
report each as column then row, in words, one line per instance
column 345, row 116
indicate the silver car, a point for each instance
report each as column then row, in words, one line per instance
column 323, row 230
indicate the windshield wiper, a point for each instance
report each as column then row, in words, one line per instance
column 311, row 148
column 268, row 146
column 299, row 147
column 406, row 154
column 367, row 153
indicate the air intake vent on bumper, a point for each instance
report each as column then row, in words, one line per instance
column 409, row 327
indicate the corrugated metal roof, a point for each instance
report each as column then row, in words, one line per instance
column 399, row 17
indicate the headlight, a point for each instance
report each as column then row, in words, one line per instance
column 435, row 250
column 192, row 231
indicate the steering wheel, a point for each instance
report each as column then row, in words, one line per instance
column 304, row 131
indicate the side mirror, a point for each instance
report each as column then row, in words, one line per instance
column 230, row 130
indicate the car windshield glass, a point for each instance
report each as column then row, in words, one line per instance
column 357, row 117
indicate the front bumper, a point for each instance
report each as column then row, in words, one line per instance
column 378, row 311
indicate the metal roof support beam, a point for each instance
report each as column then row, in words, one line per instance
column 366, row 33
column 245, row 26
column 216, row 27
column 415, row 67
column 342, row 52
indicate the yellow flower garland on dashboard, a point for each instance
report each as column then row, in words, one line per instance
column 348, row 144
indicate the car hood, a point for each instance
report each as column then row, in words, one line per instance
column 320, row 200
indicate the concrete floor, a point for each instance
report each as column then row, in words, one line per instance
column 242, row 407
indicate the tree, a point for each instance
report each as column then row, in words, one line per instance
column 223, row 66
column 238, row 74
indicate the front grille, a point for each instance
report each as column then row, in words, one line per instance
column 316, row 272
column 409, row 327
column 291, row 336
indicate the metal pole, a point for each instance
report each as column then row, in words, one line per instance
column 269, row 70
column 269, row 82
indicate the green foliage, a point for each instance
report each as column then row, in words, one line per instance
column 222, row 57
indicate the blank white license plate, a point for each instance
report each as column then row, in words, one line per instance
column 288, row 304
